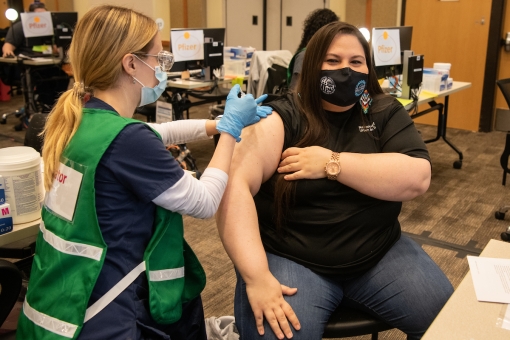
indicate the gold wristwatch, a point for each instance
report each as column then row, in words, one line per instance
column 333, row 167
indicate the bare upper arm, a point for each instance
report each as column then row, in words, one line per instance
column 258, row 154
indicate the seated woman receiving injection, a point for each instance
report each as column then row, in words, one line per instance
column 320, row 184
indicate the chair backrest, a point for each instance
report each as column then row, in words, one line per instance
column 259, row 64
column 504, row 86
column 33, row 136
column 276, row 79
column 10, row 281
column 502, row 121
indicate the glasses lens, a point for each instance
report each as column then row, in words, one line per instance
column 165, row 60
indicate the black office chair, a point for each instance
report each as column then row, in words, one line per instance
column 10, row 75
column 11, row 283
column 33, row 136
column 276, row 84
column 503, row 124
column 347, row 321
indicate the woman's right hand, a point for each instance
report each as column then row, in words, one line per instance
column 239, row 112
column 266, row 300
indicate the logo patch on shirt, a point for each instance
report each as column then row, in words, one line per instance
column 367, row 128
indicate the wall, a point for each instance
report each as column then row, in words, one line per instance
column 383, row 13
column 355, row 12
column 338, row 6
column 153, row 8
column 214, row 13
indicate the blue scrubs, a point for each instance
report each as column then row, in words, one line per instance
column 134, row 170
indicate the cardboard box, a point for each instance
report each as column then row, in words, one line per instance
column 5, row 218
column 164, row 112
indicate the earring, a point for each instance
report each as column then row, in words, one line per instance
column 134, row 80
column 365, row 101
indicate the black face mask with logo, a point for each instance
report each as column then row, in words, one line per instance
column 342, row 87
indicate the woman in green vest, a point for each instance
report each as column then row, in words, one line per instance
column 111, row 261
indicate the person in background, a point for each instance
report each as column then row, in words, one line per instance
column 315, row 20
column 319, row 223
column 15, row 38
column 111, row 260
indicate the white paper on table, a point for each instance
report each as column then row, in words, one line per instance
column 491, row 278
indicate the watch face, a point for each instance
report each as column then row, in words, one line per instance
column 332, row 168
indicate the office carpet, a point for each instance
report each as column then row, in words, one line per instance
column 453, row 219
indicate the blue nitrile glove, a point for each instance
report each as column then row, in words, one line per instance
column 262, row 111
column 239, row 112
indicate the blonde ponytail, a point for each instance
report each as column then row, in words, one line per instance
column 62, row 123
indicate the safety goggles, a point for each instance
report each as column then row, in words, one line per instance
column 165, row 59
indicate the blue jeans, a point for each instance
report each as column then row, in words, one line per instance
column 406, row 289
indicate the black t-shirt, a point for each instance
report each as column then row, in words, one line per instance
column 331, row 228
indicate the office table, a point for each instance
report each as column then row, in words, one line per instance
column 442, row 121
column 20, row 242
column 463, row 316
column 20, row 231
column 26, row 65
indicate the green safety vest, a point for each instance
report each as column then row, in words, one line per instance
column 70, row 251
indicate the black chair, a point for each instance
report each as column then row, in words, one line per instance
column 347, row 321
column 33, row 136
column 503, row 124
column 276, row 84
column 11, row 283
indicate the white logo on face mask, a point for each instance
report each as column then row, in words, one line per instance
column 327, row 85
column 360, row 87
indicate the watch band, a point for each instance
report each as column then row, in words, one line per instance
column 335, row 158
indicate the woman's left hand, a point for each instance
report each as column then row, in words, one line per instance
column 306, row 162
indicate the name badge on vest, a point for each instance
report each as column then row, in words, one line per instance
column 62, row 197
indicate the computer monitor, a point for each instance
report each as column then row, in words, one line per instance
column 37, row 28
column 64, row 24
column 190, row 57
column 405, row 35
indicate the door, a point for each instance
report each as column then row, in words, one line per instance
column 244, row 23
column 454, row 32
column 294, row 13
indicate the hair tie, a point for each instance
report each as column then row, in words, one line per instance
column 81, row 91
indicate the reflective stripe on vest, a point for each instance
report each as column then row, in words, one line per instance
column 166, row 274
column 155, row 275
column 49, row 323
column 80, row 249
column 71, row 248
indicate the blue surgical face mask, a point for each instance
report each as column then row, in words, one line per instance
column 151, row 94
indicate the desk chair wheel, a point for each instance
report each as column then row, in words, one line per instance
column 499, row 215
column 457, row 164
column 505, row 236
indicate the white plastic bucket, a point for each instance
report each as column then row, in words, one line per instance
column 24, row 190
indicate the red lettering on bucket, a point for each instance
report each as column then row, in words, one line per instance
column 5, row 211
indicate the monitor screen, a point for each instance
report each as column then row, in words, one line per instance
column 188, row 61
column 405, row 35
column 37, row 28
column 63, row 24
column 63, row 27
column 187, row 45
